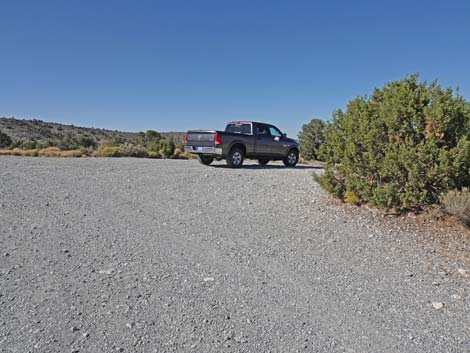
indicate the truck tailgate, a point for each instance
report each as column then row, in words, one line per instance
column 201, row 138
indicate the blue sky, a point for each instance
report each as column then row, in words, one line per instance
column 177, row 65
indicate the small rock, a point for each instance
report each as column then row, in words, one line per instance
column 86, row 335
column 462, row 271
column 106, row 272
column 6, row 254
column 74, row 329
column 437, row 305
column 130, row 325
column 208, row 279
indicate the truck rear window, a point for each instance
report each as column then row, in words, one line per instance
column 239, row 128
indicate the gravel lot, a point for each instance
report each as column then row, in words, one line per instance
column 138, row 255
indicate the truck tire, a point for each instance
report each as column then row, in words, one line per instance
column 291, row 159
column 263, row 161
column 235, row 158
column 206, row 160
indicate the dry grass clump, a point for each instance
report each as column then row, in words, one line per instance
column 457, row 203
column 107, row 151
column 41, row 152
column 179, row 154
column 153, row 154
column 351, row 198
column 102, row 151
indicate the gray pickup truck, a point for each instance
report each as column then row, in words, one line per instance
column 240, row 140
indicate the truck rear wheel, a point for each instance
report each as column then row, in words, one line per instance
column 263, row 161
column 204, row 159
column 235, row 158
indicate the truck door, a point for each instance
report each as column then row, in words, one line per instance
column 277, row 145
column 262, row 139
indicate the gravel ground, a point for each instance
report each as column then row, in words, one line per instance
column 138, row 255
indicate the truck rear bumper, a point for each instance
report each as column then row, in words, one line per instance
column 203, row 150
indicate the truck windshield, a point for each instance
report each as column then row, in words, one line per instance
column 239, row 128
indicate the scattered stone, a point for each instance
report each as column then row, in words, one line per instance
column 74, row 329
column 437, row 305
column 208, row 279
column 409, row 274
column 106, row 272
column 130, row 325
column 462, row 271
column 6, row 254
column 86, row 335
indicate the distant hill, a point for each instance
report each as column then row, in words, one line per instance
column 41, row 133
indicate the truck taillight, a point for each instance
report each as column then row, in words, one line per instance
column 186, row 138
column 217, row 139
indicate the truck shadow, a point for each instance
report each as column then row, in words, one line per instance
column 255, row 166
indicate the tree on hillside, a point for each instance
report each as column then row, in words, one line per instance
column 5, row 140
column 311, row 138
column 150, row 137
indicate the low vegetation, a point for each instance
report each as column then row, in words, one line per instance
column 402, row 148
column 457, row 203
column 38, row 138
column 45, row 152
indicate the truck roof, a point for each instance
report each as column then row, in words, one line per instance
column 246, row 122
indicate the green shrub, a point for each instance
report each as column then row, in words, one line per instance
column 400, row 148
column 5, row 140
column 166, row 148
column 133, row 151
column 16, row 144
column 75, row 142
column 311, row 137
column 149, row 137
column 121, row 151
column 457, row 203
column 29, row 145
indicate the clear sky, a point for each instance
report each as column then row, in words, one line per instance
column 177, row 65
